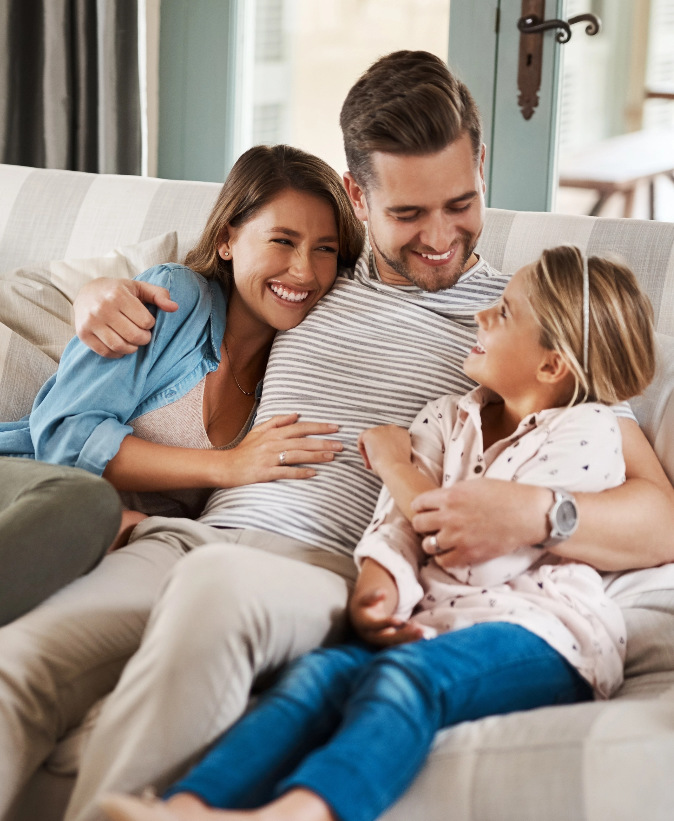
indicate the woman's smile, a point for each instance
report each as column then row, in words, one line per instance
column 286, row 293
column 284, row 259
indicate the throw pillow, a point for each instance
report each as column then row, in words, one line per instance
column 36, row 314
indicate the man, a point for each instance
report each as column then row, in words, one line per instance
column 271, row 574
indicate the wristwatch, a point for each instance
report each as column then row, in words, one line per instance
column 563, row 518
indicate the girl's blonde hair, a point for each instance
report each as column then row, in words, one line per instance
column 259, row 175
column 621, row 353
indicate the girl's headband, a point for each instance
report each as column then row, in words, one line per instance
column 586, row 312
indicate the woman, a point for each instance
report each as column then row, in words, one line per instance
column 174, row 417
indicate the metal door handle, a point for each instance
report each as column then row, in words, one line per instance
column 532, row 25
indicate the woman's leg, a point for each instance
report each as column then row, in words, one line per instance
column 410, row 692
column 56, row 524
column 299, row 714
column 62, row 656
column 233, row 613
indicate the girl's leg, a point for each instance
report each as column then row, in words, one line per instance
column 300, row 713
column 410, row 692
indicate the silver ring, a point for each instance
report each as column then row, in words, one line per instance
column 282, row 457
column 433, row 542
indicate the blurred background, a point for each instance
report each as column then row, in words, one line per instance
column 179, row 88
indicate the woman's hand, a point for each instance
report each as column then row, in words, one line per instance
column 385, row 445
column 273, row 449
column 141, row 465
column 372, row 605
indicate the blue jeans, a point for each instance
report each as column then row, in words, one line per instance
column 354, row 724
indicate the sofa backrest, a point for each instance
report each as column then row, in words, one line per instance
column 48, row 215
column 52, row 215
column 512, row 239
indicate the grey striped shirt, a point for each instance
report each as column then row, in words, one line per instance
column 368, row 354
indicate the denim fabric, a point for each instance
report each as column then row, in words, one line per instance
column 81, row 414
column 354, row 724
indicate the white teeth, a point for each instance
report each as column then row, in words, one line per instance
column 291, row 296
column 438, row 256
column 479, row 348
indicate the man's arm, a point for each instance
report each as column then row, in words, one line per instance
column 627, row 527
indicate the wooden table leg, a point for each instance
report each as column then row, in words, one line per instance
column 599, row 204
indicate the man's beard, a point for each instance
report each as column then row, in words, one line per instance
column 458, row 262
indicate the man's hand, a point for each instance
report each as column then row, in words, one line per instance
column 477, row 521
column 110, row 317
column 372, row 606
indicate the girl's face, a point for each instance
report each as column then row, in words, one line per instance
column 284, row 258
column 508, row 355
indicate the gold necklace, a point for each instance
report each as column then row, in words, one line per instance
column 231, row 368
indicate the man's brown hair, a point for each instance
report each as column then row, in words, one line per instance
column 406, row 103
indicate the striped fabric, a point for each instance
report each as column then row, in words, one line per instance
column 50, row 215
column 368, row 354
column 587, row 762
column 512, row 239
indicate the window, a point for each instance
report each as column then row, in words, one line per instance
column 307, row 54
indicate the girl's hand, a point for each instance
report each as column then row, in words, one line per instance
column 371, row 617
column 271, row 450
column 372, row 605
column 385, row 445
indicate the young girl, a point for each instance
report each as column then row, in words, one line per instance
column 345, row 731
column 173, row 418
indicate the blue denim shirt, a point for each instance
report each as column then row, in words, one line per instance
column 81, row 414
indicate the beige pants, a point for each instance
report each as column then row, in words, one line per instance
column 229, row 613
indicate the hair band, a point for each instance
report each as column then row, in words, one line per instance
column 586, row 312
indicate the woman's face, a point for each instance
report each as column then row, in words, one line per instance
column 284, row 258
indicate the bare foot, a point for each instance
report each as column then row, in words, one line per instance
column 181, row 807
column 296, row 805
column 188, row 807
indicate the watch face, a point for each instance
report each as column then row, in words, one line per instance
column 566, row 517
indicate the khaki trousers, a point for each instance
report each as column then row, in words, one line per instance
column 227, row 614
column 60, row 658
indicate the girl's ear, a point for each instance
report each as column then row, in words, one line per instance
column 553, row 368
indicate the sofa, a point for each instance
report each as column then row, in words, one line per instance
column 597, row 761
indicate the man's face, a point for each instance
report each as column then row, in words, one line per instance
column 424, row 214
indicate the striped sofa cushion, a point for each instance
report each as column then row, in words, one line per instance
column 49, row 215
column 594, row 761
column 512, row 239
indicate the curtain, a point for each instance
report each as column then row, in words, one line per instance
column 69, row 85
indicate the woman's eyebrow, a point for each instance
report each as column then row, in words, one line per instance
column 290, row 232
